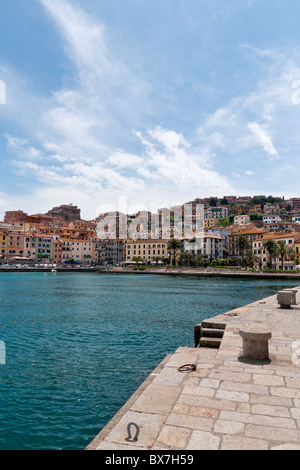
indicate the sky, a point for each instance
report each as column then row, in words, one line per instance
column 141, row 104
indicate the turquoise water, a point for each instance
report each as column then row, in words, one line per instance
column 79, row 345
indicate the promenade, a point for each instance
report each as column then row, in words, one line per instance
column 228, row 402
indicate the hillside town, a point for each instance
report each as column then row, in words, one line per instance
column 257, row 232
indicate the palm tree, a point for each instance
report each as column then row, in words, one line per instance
column 241, row 244
column 156, row 259
column 137, row 259
column 173, row 246
column 199, row 260
column 270, row 247
column 250, row 258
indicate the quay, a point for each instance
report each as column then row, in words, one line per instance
column 222, row 400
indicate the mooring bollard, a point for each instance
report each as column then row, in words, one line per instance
column 255, row 343
column 286, row 298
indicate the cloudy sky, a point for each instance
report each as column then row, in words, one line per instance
column 140, row 104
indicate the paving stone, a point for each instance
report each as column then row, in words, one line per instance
column 270, row 410
column 228, row 427
column 201, row 440
column 158, row 399
column 272, row 433
column 187, row 421
column 201, row 411
column 199, row 391
column 174, row 437
column 233, row 396
column 269, row 380
column 243, row 443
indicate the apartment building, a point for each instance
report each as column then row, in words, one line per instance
column 146, row 250
column 109, row 252
column 270, row 209
column 208, row 245
column 250, row 232
column 219, row 212
column 241, row 219
column 263, row 256
column 3, row 244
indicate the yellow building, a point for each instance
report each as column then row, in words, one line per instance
column 145, row 249
column 209, row 223
column 3, row 244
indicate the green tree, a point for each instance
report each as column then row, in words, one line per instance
column 137, row 259
column 173, row 246
column 241, row 244
column 270, row 247
column 156, row 259
column 250, row 259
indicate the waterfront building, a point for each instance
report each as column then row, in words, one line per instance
column 208, row 245
column 15, row 243
column 250, row 233
column 297, row 249
column 3, row 244
column 262, row 255
column 147, row 250
column 109, row 252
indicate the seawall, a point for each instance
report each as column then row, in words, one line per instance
column 226, row 401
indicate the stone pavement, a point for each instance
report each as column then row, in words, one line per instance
column 228, row 403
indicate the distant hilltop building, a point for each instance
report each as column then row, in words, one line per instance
column 69, row 213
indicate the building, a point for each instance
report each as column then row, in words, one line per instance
column 248, row 209
column 65, row 212
column 15, row 216
column 219, row 212
column 210, row 223
column 270, row 209
column 3, row 244
column 250, row 232
column 208, row 245
column 147, row 250
column 285, row 227
column 109, row 252
column 241, row 219
column 262, row 255
column 297, row 249
column 271, row 219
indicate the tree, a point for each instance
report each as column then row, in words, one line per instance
column 250, row 258
column 173, row 246
column 137, row 259
column 156, row 259
column 241, row 244
column 270, row 247
column 199, row 260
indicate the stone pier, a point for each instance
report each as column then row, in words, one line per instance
column 229, row 402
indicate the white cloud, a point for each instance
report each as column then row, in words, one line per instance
column 262, row 137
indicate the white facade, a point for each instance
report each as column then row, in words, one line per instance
column 209, row 246
column 271, row 219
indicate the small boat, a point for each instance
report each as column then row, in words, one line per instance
column 53, row 271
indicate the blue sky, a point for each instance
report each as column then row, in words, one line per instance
column 140, row 104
